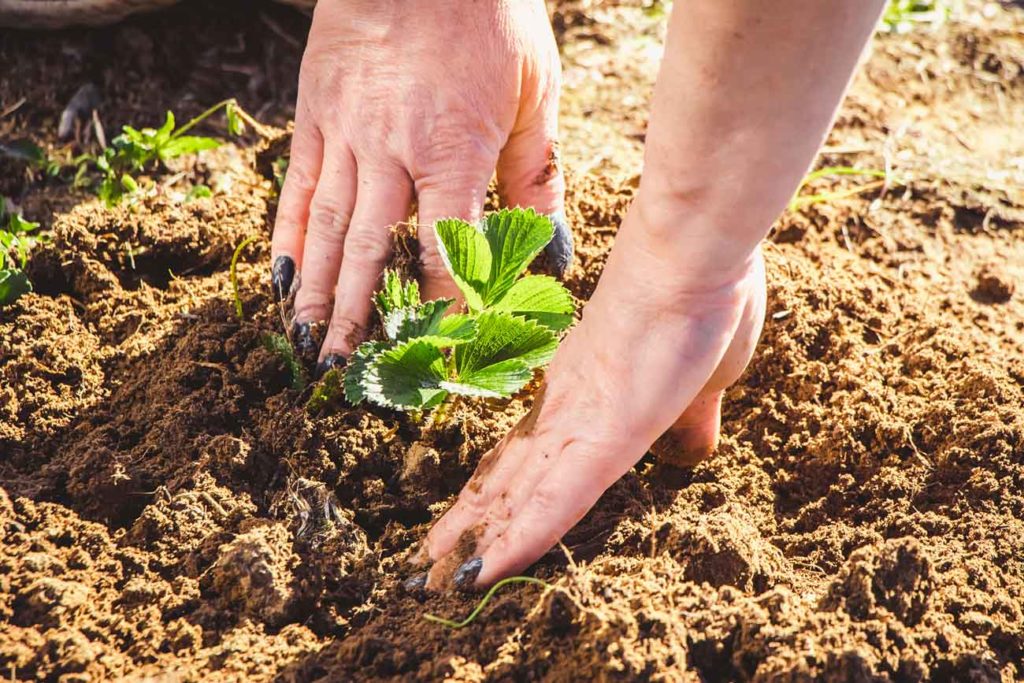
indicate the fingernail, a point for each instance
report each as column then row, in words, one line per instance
column 466, row 575
column 281, row 276
column 333, row 360
column 559, row 250
column 415, row 583
column 304, row 341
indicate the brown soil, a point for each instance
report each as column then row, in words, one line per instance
column 169, row 509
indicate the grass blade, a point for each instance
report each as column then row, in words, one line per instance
column 483, row 602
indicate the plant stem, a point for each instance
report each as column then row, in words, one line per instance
column 234, row 273
column 483, row 602
column 202, row 117
column 260, row 129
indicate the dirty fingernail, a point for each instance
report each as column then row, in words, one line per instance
column 415, row 583
column 281, row 276
column 332, row 361
column 465, row 575
column 304, row 340
column 560, row 249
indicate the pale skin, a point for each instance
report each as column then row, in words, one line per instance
column 745, row 96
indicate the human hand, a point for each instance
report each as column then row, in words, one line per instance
column 409, row 100
column 655, row 349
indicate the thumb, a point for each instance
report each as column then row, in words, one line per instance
column 530, row 175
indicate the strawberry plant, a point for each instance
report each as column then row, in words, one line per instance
column 16, row 240
column 510, row 327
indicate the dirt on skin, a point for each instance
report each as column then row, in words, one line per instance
column 170, row 509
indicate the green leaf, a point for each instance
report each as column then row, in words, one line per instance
column 494, row 381
column 17, row 224
column 502, row 336
column 395, row 294
column 515, row 237
column 235, row 124
column 199, row 191
column 428, row 322
column 13, row 283
column 452, row 330
column 407, row 376
column 279, row 345
column 23, row 150
column 355, row 371
column 186, row 144
column 401, row 324
column 467, row 255
column 326, row 392
column 541, row 298
column 165, row 130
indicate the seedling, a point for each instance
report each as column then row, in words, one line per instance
column 234, row 274
column 279, row 345
column 16, row 241
column 483, row 602
column 799, row 201
column 329, row 390
column 510, row 329
column 135, row 151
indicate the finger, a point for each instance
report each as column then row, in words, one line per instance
column 487, row 482
column 530, row 175
column 293, row 207
column 492, row 475
column 557, row 503
column 458, row 194
column 330, row 212
column 382, row 200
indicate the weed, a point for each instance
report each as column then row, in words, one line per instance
column 114, row 173
column 279, row 345
column 902, row 15
column 234, row 274
column 16, row 241
column 511, row 327
column 483, row 601
column 806, row 200
column 199, row 191
column 329, row 390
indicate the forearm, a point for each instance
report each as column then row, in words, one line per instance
column 745, row 96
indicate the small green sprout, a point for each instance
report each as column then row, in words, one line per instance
column 199, row 191
column 280, row 171
column 902, row 15
column 16, row 241
column 483, row 602
column 135, row 150
column 328, row 391
column 511, row 327
column 799, row 201
column 279, row 345
column 233, row 270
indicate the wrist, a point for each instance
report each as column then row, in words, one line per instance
column 686, row 238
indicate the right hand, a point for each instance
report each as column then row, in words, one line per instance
column 402, row 100
column 658, row 343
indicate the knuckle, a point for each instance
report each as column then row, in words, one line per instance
column 547, row 498
column 299, row 178
column 328, row 221
column 367, row 245
column 452, row 160
column 474, row 502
